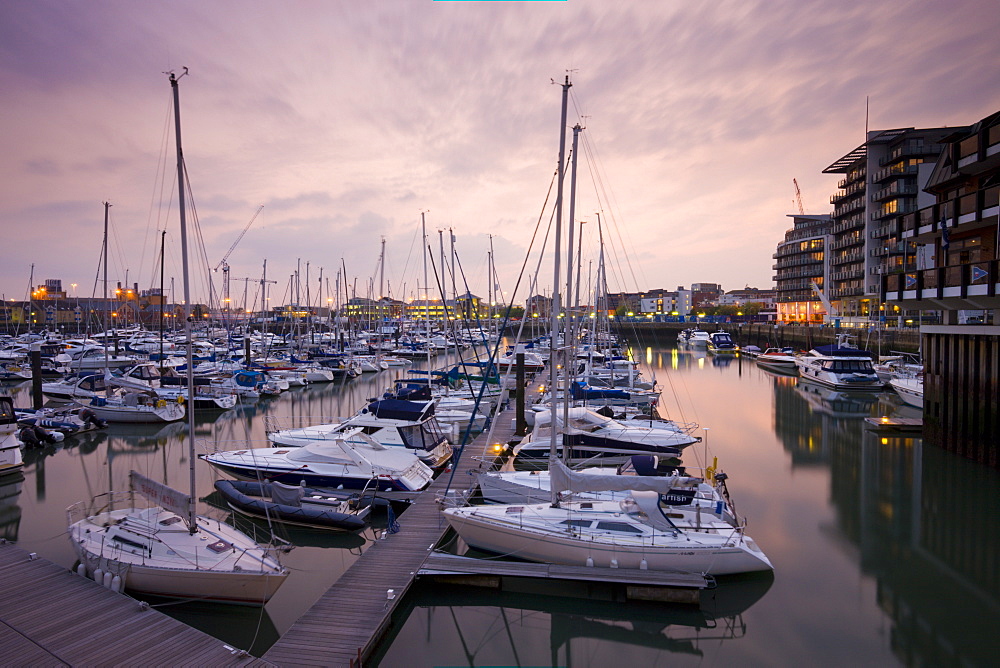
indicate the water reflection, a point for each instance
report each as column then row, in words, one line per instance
column 455, row 626
column 10, row 511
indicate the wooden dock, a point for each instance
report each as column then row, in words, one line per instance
column 894, row 424
column 641, row 585
column 50, row 616
column 347, row 622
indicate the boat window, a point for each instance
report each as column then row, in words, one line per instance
column 582, row 524
column 621, row 527
column 170, row 520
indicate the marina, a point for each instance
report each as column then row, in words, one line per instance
column 802, row 451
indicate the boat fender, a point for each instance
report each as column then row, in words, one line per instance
column 106, row 582
column 614, row 563
column 180, row 401
column 81, row 570
column 643, row 566
column 116, row 584
column 590, row 562
column 99, row 576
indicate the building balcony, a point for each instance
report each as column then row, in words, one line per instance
column 849, row 207
column 896, row 189
column 847, row 258
column 847, row 274
column 847, row 240
column 912, row 149
column 954, row 286
column 850, row 291
column 894, row 172
column 848, row 224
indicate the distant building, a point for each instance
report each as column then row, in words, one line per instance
column 800, row 261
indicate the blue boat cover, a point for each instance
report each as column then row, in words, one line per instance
column 397, row 409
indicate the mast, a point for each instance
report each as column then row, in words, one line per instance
column 427, row 304
column 107, row 208
column 192, row 526
column 554, row 314
column 569, row 340
column 163, row 241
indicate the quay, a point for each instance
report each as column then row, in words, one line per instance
column 50, row 616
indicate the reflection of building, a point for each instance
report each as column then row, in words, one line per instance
column 919, row 517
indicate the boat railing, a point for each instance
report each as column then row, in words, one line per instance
column 101, row 503
column 274, row 423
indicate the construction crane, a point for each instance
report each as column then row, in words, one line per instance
column 798, row 198
column 222, row 263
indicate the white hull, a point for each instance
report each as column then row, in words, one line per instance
column 242, row 574
column 690, row 551
column 910, row 390
column 169, row 412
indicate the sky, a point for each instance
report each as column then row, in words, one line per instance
column 348, row 120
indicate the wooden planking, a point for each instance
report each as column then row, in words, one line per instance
column 354, row 613
column 50, row 616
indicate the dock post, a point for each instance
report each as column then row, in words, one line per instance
column 36, row 375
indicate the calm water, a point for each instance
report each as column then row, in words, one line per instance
column 885, row 550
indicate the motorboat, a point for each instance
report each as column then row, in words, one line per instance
column 80, row 386
column 694, row 338
column 781, row 359
column 839, row 367
column 10, row 448
column 588, row 434
column 394, row 423
column 338, row 463
column 721, row 343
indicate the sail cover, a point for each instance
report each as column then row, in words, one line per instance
column 565, row 479
column 158, row 493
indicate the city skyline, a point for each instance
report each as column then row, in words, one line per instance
column 347, row 122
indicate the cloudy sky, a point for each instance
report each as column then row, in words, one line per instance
column 347, row 119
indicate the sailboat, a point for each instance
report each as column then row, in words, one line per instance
column 165, row 549
column 630, row 532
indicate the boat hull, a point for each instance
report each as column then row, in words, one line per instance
column 719, row 558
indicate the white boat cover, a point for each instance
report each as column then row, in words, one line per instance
column 565, row 479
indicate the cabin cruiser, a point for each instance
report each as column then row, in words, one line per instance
column 406, row 425
column 839, row 367
column 10, row 447
column 352, row 461
column 721, row 343
column 588, row 434
column 693, row 338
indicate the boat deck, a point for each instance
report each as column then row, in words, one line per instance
column 50, row 616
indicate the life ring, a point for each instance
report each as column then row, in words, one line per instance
column 180, row 401
column 161, row 403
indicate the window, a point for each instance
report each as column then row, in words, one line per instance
column 621, row 527
column 581, row 524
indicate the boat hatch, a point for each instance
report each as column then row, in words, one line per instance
column 220, row 546
column 581, row 524
column 117, row 538
column 170, row 520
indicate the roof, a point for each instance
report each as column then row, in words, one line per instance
column 874, row 137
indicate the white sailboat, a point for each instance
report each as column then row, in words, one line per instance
column 633, row 532
column 165, row 549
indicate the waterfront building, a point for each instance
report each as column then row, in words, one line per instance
column 801, row 261
column 955, row 239
column 883, row 180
